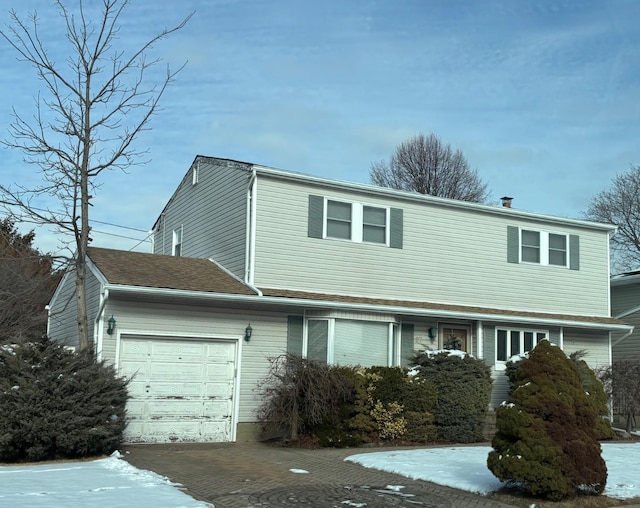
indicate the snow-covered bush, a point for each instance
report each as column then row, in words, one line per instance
column 546, row 442
column 56, row 403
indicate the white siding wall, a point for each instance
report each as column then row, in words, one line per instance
column 450, row 255
column 596, row 344
column 269, row 337
column 63, row 325
column 212, row 213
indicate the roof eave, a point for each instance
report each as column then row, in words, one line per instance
column 387, row 309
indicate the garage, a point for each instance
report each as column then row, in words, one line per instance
column 182, row 390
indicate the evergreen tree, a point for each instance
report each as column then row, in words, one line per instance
column 546, row 440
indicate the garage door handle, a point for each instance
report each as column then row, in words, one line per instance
column 147, row 388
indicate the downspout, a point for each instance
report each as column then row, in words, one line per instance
column 250, row 233
column 97, row 326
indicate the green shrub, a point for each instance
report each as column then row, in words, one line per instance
column 463, row 394
column 592, row 387
column 58, row 404
column 545, row 442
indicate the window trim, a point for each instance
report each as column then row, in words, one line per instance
column 502, row 364
column 544, row 247
column 177, row 240
column 357, row 221
column 394, row 339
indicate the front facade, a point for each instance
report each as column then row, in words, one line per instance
column 342, row 273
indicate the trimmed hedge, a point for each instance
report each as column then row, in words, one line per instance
column 58, row 404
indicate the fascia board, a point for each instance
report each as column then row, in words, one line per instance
column 326, row 304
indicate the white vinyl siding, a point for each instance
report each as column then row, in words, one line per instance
column 449, row 255
column 191, row 322
column 214, row 213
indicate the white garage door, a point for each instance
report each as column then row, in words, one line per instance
column 181, row 390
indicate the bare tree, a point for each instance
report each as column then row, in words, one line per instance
column 27, row 281
column 620, row 205
column 424, row 164
column 97, row 103
column 621, row 382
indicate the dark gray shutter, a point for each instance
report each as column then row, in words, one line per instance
column 574, row 252
column 489, row 344
column 294, row 334
column 513, row 244
column 316, row 209
column 407, row 351
column 397, row 226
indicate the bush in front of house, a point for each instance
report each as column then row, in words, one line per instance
column 300, row 394
column 546, row 444
column 58, row 404
column 592, row 386
column 463, row 393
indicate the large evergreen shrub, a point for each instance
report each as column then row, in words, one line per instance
column 545, row 442
column 592, row 386
column 56, row 403
column 463, row 394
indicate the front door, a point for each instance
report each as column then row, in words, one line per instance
column 455, row 337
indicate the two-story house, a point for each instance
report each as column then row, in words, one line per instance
column 251, row 261
column 625, row 305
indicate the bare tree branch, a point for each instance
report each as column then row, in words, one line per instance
column 97, row 103
column 424, row 164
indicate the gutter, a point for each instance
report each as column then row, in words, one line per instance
column 250, row 232
column 629, row 332
column 384, row 309
column 97, row 337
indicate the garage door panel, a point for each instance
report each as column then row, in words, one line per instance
column 167, row 370
column 180, row 390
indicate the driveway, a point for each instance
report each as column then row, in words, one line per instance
column 242, row 475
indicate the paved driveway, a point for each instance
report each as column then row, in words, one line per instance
column 242, row 475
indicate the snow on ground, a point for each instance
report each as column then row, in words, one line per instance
column 114, row 483
column 465, row 467
column 110, row 482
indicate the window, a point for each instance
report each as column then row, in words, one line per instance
column 195, row 174
column 356, row 222
column 338, row 220
column 350, row 342
column 557, row 249
column 530, row 246
column 543, row 248
column 374, row 224
column 514, row 342
column 176, row 249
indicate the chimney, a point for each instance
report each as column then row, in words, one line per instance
column 506, row 201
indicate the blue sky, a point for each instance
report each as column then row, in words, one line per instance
column 541, row 96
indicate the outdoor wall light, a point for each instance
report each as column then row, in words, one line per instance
column 111, row 325
column 247, row 333
column 432, row 332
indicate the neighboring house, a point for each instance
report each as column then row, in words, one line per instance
column 340, row 272
column 625, row 305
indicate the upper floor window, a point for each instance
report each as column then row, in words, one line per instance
column 176, row 248
column 543, row 248
column 339, row 219
column 357, row 222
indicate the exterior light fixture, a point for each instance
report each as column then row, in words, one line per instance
column 247, row 332
column 111, row 325
column 432, row 332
